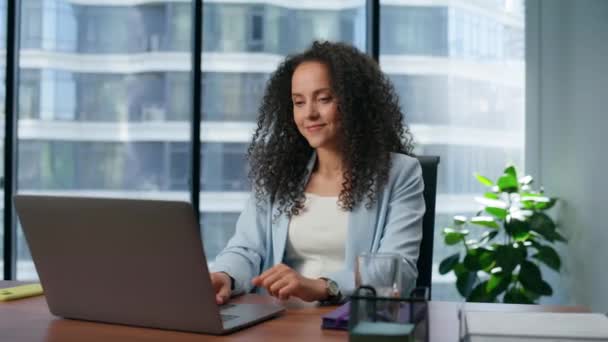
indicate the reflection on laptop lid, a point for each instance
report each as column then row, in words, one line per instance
column 126, row 261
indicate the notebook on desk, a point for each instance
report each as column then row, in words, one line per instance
column 127, row 261
column 534, row 326
column 337, row 319
column 20, row 291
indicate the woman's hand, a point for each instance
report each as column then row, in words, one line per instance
column 221, row 283
column 283, row 282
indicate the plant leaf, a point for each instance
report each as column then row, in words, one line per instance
column 544, row 225
column 530, row 194
column 453, row 236
column 537, row 201
column 471, row 260
column 459, row 269
column 491, row 195
column 498, row 283
column 516, row 296
column 559, row 237
column 510, row 170
column 488, row 202
column 488, row 235
column 508, row 257
column 527, row 204
column 526, row 180
column 531, row 279
column 465, row 282
column 535, row 198
column 499, row 213
column 483, row 180
column 548, row 256
column 522, row 237
column 487, row 260
column 448, row 263
column 486, row 221
column 519, row 214
column 533, row 296
column 459, row 220
column 545, row 205
column 527, row 199
column 478, row 259
column 507, row 183
column 480, row 294
column 518, row 229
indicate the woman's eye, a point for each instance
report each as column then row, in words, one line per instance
column 298, row 103
column 325, row 99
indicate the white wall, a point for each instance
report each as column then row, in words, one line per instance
column 567, row 136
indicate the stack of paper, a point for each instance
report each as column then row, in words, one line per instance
column 534, row 326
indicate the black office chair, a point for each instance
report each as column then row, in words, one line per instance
column 425, row 259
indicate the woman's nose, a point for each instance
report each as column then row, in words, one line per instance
column 312, row 111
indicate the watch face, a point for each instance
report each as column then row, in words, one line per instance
column 332, row 288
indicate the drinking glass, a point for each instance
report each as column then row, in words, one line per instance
column 381, row 271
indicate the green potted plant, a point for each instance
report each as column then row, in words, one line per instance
column 515, row 235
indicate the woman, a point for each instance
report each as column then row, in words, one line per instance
column 332, row 179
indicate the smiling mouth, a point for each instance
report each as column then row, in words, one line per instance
column 314, row 128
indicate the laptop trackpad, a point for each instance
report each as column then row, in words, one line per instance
column 240, row 315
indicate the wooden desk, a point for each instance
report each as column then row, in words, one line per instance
column 30, row 320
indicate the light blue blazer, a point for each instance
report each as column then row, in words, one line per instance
column 392, row 225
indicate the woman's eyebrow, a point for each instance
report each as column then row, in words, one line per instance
column 321, row 90
column 314, row 92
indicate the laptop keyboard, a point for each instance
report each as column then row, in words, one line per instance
column 226, row 318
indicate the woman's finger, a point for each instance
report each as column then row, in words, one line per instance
column 223, row 295
column 257, row 281
column 288, row 290
column 276, row 276
column 278, row 285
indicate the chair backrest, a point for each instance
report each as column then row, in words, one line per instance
column 429, row 166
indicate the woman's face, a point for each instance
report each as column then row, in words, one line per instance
column 315, row 106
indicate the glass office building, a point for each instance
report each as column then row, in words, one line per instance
column 458, row 67
column 105, row 94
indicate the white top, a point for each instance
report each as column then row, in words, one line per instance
column 317, row 237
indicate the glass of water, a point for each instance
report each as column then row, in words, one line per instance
column 381, row 271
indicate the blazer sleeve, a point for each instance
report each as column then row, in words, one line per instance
column 243, row 256
column 403, row 228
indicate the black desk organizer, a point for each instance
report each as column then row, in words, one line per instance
column 366, row 306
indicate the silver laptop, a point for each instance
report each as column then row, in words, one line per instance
column 133, row 262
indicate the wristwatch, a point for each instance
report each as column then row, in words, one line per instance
column 333, row 291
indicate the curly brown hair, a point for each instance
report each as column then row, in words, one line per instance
column 372, row 128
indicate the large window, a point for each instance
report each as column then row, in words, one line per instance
column 280, row 27
column 459, row 72
column 105, row 94
column 232, row 96
column 414, row 30
column 104, row 104
column 242, row 44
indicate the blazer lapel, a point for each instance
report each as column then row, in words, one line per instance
column 281, row 227
column 279, row 238
column 361, row 232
